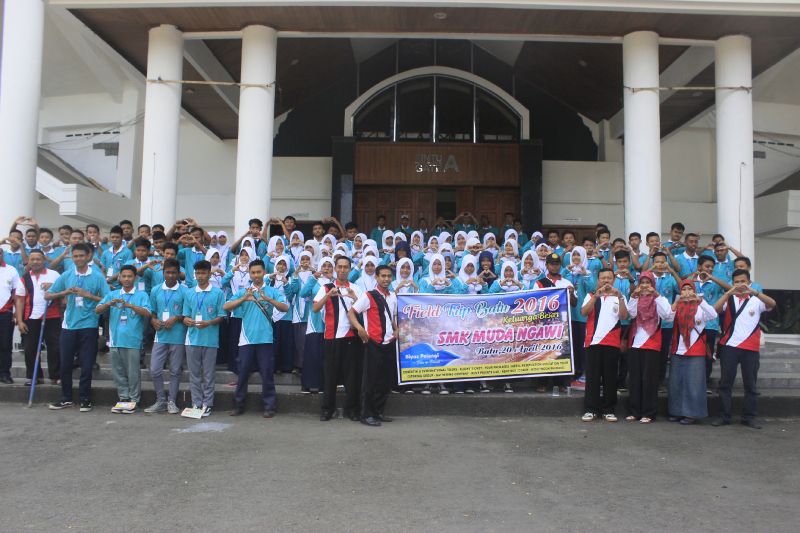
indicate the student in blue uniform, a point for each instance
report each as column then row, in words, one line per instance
column 281, row 281
column 667, row 285
column 83, row 287
column 312, row 378
column 166, row 303
column 258, row 306
column 129, row 310
column 202, row 312
column 115, row 257
column 711, row 288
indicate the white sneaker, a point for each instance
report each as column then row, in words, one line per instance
column 508, row 387
column 443, row 390
column 426, row 390
column 172, row 408
column 610, row 417
column 158, row 407
column 206, row 411
column 588, row 417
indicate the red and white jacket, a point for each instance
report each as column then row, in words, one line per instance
column 640, row 339
column 697, row 342
column 740, row 318
column 334, row 312
column 602, row 324
column 378, row 320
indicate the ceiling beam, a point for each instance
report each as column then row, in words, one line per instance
column 722, row 7
column 683, row 70
column 206, row 63
column 511, row 37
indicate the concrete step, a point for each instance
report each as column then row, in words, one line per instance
column 772, row 403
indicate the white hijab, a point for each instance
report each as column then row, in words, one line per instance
column 295, row 250
column 367, row 281
column 224, row 249
column 316, row 255
column 445, row 236
column 323, row 280
column 575, row 269
column 303, row 275
column 386, row 234
column 399, row 277
column 530, row 276
column 502, row 277
column 276, row 283
column 469, row 259
column 437, row 281
column 509, row 233
column 417, row 247
column 272, row 247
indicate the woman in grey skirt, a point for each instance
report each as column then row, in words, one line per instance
column 687, row 378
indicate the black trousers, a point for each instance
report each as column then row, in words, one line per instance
column 6, row 342
column 380, row 373
column 622, row 367
column 663, row 362
column 342, row 357
column 730, row 359
column 643, row 368
column 601, row 369
column 52, row 333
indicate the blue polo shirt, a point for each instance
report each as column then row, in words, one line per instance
column 711, row 293
column 688, row 264
column 208, row 304
column 145, row 281
column 187, row 257
column 80, row 311
column 113, row 261
column 171, row 300
column 668, row 288
column 316, row 322
column 14, row 259
column 256, row 329
column 126, row 327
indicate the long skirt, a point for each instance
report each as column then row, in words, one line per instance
column 687, row 386
column 312, row 362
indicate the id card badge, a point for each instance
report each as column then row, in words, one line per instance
column 109, row 272
column 140, row 286
column 79, row 301
column 198, row 318
column 123, row 320
column 164, row 316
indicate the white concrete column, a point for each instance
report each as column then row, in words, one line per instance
column 162, row 110
column 20, row 93
column 256, row 125
column 642, row 143
column 734, row 109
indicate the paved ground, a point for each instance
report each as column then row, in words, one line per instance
column 65, row 471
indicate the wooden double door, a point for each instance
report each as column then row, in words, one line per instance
column 429, row 202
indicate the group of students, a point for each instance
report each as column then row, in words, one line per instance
column 326, row 307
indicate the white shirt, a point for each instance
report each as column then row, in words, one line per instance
column 9, row 283
column 746, row 334
column 39, row 303
column 364, row 303
column 343, row 327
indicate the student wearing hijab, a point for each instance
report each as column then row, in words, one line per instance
column 687, row 376
column 576, row 272
column 404, row 282
column 468, row 275
column 647, row 309
column 312, row 378
column 223, row 247
column 367, row 281
column 490, row 244
column 281, row 281
column 296, row 245
column 486, row 271
column 300, row 310
column 237, row 278
column 507, row 282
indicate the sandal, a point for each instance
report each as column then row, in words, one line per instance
column 588, row 417
column 646, row 420
column 630, row 418
column 610, row 417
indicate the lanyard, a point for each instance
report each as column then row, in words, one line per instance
column 114, row 255
column 200, row 299
column 168, row 294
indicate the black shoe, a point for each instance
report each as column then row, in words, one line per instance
column 371, row 421
column 60, row 405
column 324, row 417
column 751, row 423
column 269, row 413
column 95, row 366
column 720, row 422
column 383, row 418
column 75, row 364
column 675, row 418
column 7, row 380
column 355, row 418
column 688, row 421
column 237, row 411
column 86, row 406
